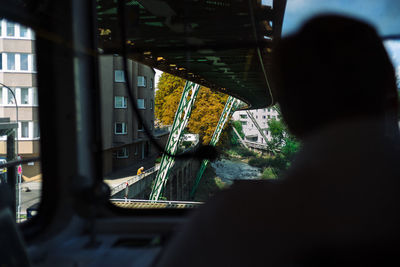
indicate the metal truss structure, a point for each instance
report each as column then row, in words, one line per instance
column 256, row 124
column 181, row 119
column 230, row 107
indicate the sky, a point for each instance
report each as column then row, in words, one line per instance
column 157, row 77
column 382, row 14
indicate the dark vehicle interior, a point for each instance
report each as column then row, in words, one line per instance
column 225, row 45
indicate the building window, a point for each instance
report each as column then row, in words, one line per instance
column 10, row 98
column 119, row 76
column 120, row 102
column 35, row 96
column 140, row 126
column 23, row 61
column 122, row 153
column 10, row 61
column 244, row 122
column 264, row 117
column 120, row 128
column 243, row 116
column 151, row 83
column 23, row 31
column 151, row 103
column 141, row 104
column 36, row 129
column 33, row 57
column 24, row 129
column 10, row 29
column 24, row 96
column 141, row 81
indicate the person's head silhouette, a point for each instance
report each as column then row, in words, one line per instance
column 334, row 68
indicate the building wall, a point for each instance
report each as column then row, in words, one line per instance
column 121, row 149
column 18, row 71
column 262, row 116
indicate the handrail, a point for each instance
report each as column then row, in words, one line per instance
column 156, row 201
column 134, row 179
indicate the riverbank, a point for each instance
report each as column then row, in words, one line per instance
column 222, row 173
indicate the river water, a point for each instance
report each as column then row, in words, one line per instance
column 230, row 170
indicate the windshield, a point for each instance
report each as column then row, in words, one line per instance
column 253, row 144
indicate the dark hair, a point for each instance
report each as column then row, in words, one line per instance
column 334, row 67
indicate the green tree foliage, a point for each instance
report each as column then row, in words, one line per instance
column 167, row 97
column 234, row 140
column 283, row 145
column 277, row 129
column 205, row 114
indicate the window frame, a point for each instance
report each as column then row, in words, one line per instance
column 140, row 129
column 124, row 102
column 27, row 62
column 8, row 60
column 26, row 30
column 6, row 96
column 143, row 101
column 19, row 99
column 121, row 78
column 27, row 123
column 14, row 29
column 125, row 153
column 143, row 79
column 124, row 128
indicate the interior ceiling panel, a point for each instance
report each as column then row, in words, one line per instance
column 221, row 44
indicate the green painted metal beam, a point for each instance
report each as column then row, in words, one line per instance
column 181, row 119
column 230, row 107
column 257, row 125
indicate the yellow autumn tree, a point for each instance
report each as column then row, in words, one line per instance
column 206, row 111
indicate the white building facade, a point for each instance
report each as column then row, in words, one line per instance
column 262, row 116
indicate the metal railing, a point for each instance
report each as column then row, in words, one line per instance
column 134, row 179
column 256, row 145
column 155, row 201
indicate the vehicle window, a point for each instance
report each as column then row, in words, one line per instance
column 19, row 120
column 382, row 14
column 253, row 144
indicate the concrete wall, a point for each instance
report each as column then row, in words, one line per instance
column 24, row 147
column 181, row 180
column 16, row 45
column 12, row 79
column 24, row 113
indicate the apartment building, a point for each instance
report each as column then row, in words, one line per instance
column 18, row 72
column 124, row 140
column 262, row 116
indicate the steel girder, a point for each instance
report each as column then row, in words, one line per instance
column 257, row 125
column 230, row 107
column 181, row 119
